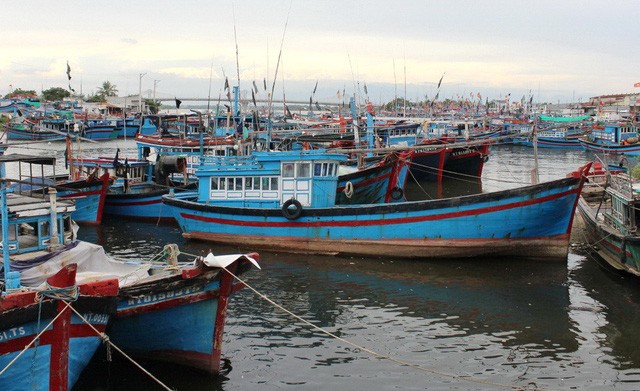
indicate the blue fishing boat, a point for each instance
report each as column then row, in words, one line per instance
column 285, row 201
column 100, row 130
column 157, row 299
column 44, row 345
column 380, row 182
column 88, row 194
column 178, row 316
column 136, row 186
column 613, row 138
column 25, row 129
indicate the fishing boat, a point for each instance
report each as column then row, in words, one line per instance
column 88, row 193
column 610, row 213
column 613, row 138
column 158, row 299
column 44, row 344
column 380, row 182
column 285, row 201
column 136, row 186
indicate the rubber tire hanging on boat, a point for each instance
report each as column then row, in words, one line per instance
column 291, row 214
column 396, row 193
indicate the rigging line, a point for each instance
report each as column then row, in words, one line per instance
column 379, row 355
column 235, row 37
column 32, row 342
column 419, row 185
column 106, row 339
column 275, row 78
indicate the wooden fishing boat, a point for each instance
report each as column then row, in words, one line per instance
column 611, row 218
column 27, row 311
column 44, row 345
column 382, row 181
column 613, row 138
column 88, row 193
column 136, row 186
column 285, row 201
column 158, row 299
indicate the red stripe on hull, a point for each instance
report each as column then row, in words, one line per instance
column 48, row 337
column 403, row 220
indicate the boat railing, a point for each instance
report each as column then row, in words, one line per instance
column 624, row 184
column 228, row 161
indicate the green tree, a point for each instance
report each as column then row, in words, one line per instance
column 55, row 94
column 19, row 92
column 108, row 89
column 153, row 105
column 96, row 98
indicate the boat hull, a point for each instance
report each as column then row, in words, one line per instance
column 530, row 222
column 156, row 321
column 632, row 149
column 619, row 252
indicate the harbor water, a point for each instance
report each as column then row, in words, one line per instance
column 479, row 324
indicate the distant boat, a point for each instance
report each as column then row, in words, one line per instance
column 613, row 138
column 282, row 201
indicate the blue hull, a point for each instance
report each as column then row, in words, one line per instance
column 100, row 133
column 31, row 370
column 550, row 143
column 178, row 318
column 532, row 222
column 632, row 149
column 169, row 333
column 20, row 134
column 141, row 202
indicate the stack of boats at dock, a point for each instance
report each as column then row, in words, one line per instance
column 61, row 295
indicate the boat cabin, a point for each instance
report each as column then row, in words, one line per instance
column 615, row 134
column 270, row 179
column 624, row 211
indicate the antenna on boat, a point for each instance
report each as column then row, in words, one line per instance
column 273, row 85
column 209, row 97
column 235, row 37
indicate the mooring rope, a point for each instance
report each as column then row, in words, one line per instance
column 379, row 355
column 105, row 338
column 31, row 343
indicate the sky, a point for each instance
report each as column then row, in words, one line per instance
column 556, row 51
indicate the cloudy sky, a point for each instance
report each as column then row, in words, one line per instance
column 561, row 50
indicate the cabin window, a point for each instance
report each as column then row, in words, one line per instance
column 265, row 183
column 274, row 183
column 287, row 170
column 317, row 169
column 214, row 183
column 44, row 229
column 304, row 170
column 248, row 183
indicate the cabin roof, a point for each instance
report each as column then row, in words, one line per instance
column 17, row 157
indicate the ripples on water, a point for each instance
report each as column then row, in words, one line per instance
column 510, row 322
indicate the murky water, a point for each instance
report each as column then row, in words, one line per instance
column 475, row 324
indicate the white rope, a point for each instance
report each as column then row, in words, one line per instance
column 32, row 342
column 379, row 355
column 106, row 339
